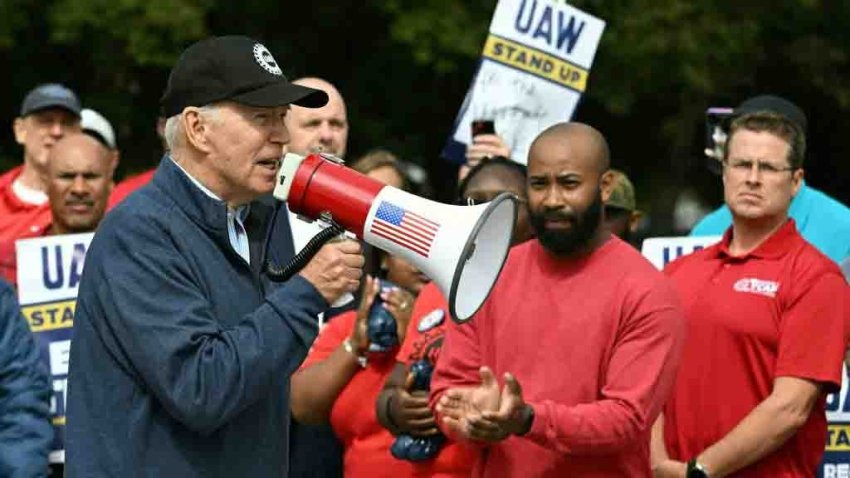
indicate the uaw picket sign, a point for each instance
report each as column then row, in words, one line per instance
column 836, row 459
column 663, row 250
column 49, row 272
column 533, row 70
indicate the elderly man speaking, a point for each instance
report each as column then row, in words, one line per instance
column 182, row 347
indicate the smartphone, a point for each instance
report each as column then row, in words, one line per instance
column 716, row 128
column 483, row 127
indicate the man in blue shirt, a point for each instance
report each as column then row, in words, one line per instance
column 182, row 346
column 821, row 220
column 25, row 430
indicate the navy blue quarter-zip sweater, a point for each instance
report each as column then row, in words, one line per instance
column 182, row 351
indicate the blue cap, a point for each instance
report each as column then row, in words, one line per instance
column 50, row 95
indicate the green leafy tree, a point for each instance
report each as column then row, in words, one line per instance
column 404, row 68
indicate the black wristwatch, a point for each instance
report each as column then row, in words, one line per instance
column 527, row 419
column 696, row 470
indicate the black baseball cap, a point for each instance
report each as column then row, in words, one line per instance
column 773, row 104
column 50, row 95
column 234, row 68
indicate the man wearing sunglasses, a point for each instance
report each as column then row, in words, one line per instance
column 765, row 314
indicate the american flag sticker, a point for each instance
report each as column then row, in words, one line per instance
column 404, row 228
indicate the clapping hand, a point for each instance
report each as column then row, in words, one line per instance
column 483, row 413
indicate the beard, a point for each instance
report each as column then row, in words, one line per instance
column 566, row 243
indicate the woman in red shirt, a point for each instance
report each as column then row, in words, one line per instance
column 340, row 379
column 403, row 411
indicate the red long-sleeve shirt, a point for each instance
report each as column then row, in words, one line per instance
column 594, row 342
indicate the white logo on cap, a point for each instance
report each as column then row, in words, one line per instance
column 266, row 60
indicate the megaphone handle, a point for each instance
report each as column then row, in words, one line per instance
column 281, row 274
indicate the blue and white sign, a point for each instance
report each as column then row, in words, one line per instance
column 533, row 71
column 49, row 272
column 663, row 250
column 836, row 459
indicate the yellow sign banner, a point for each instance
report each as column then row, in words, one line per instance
column 536, row 62
column 838, row 437
column 50, row 316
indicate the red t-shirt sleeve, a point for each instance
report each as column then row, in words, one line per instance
column 330, row 337
column 812, row 336
column 460, row 359
column 429, row 300
column 409, row 337
column 636, row 384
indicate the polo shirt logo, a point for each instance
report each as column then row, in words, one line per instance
column 766, row 288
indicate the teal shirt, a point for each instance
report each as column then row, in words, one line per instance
column 821, row 220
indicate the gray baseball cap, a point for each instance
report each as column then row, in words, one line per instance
column 50, row 95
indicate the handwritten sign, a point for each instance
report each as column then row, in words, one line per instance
column 533, row 70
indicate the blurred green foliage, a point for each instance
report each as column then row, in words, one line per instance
column 404, row 68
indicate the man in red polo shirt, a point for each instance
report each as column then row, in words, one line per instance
column 765, row 316
column 48, row 112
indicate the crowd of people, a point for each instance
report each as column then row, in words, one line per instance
column 187, row 359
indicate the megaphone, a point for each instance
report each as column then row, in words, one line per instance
column 461, row 248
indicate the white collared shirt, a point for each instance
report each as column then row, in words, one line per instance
column 235, row 219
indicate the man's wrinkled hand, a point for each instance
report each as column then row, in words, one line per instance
column 336, row 269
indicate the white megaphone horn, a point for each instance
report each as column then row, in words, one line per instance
column 461, row 248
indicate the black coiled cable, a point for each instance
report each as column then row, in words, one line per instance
column 281, row 274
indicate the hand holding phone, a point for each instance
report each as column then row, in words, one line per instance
column 483, row 127
column 485, row 143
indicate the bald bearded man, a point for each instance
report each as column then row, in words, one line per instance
column 590, row 329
